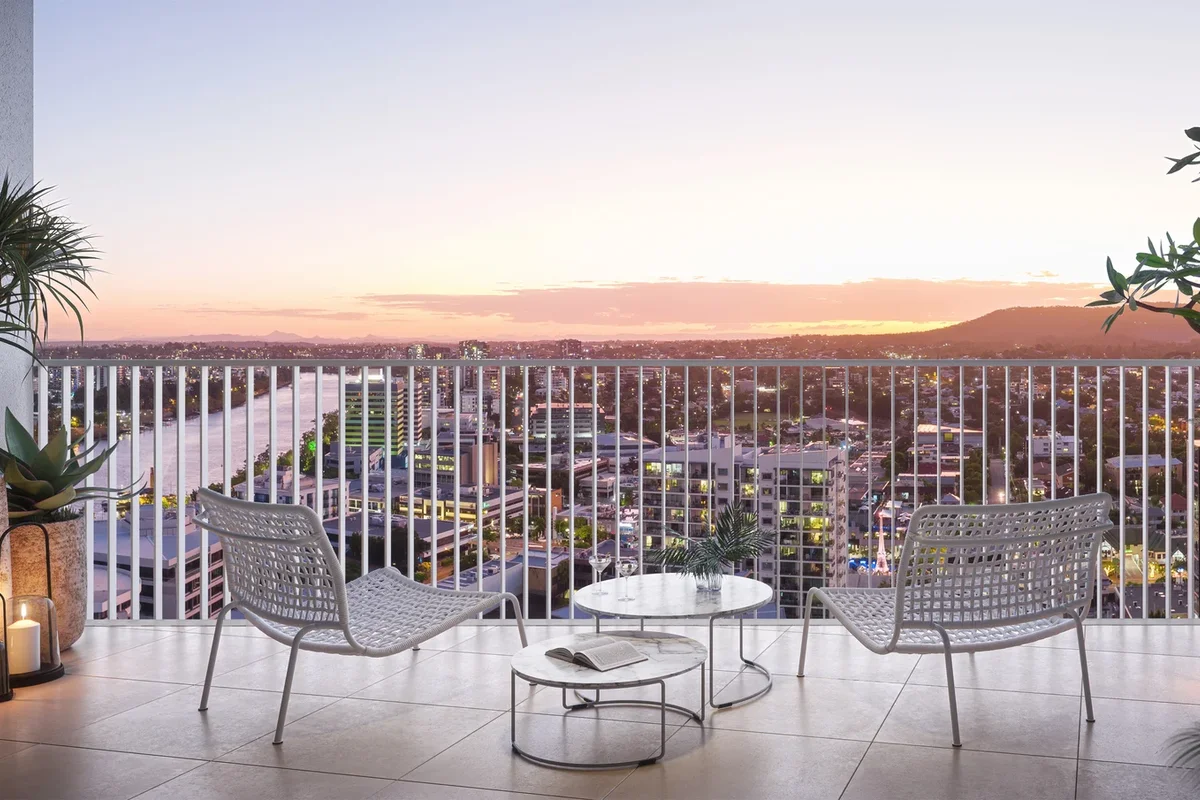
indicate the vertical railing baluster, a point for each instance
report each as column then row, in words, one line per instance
column 1029, row 437
column 297, row 458
column 43, row 403
column 757, row 476
column 525, row 426
column 456, row 376
column 434, row 491
column 662, row 453
column 1146, row 492
column 571, row 489
column 870, row 493
column 364, row 546
column 1121, row 477
column 641, row 521
column 319, row 442
column 250, row 454
column 388, row 413
column 548, row 509
column 937, row 393
column 202, row 482
column 916, row 438
column 1008, row 479
column 272, row 441
column 1191, row 492
column 503, row 481
column 687, row 453
column 343, row 500
column 962, row 436
column 158, row 495
column 983, row 456
column 412, row 431
column 1100, row 482
column 227, row 431
column 89, row 507
column 479, row 484
column 135, row 505
column 181, row 492
column 1167, row 500
column 1075, row 432
column 114, row 436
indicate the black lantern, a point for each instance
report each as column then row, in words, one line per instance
column 29, row 651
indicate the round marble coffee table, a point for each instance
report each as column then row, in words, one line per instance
column 668, row 655
column 669, row 595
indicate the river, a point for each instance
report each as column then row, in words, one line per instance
column 167, row 474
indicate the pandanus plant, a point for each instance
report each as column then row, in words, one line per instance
column 43, row 483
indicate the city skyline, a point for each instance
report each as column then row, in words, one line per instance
column 459, row 171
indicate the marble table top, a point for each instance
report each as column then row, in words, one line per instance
column 669, row 595
column 668, row 655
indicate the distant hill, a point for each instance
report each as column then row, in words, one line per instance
column 1057, row 326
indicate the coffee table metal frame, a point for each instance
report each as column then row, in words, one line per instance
column 583, row 596
column 629, row 683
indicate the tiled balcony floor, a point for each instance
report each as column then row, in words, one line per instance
column 433, row 724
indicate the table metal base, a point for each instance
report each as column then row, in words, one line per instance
column 712, row 686
column 553, row 762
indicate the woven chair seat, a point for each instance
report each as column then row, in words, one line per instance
column 870, row 616
column 388, row 614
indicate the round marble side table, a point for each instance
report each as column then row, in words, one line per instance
column 673, row 596
column 668, row 655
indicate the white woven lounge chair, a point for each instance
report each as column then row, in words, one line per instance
column 974, row 578
column 283, row 575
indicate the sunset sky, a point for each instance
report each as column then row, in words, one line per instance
column 544, row 169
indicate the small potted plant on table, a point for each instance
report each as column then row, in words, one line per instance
column 736, row 537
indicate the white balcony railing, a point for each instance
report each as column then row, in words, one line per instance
column 824, row 452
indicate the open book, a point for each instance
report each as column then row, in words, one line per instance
column 602, row 653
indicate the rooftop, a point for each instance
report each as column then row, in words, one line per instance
column 432, row 724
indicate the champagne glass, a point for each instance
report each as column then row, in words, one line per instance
column 626, row 567
column 599, row 562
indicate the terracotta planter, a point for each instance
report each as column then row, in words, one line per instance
column 25, row 572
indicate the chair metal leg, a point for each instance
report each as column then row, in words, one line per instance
column 212, row 655
column 808, row 607
column 516, row 607
column 1083, row 665
column 950, row 686
column 287, row 683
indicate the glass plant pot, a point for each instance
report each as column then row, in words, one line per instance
column 709, row 581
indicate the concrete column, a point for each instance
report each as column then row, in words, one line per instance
column 16, row 158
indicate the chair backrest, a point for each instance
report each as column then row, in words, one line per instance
column 986, row 566
column 278, row 561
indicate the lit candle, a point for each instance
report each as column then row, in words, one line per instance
column 24, row 645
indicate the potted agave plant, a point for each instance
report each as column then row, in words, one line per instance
column 736, row 537
column 44, row 485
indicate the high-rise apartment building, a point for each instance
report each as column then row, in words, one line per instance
column 376, row 399
column 473, row 349
column 798, row 493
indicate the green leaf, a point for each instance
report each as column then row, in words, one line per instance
column 1196, row 230
column 1180, row 163
column 1117, row 279
column 63, row 498
column 1184, row 288
column 1193, row 134
column 32, row 487
column 21, row 444
column 58, row 448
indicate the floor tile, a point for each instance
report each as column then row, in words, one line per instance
column 899, row 772
column 469, row 680
column 1100, row 781
column 219, row 781
column 180, row 659
column 409, row 790
column 457, row 635
column 809, row 707
column 1001, row 722
column 324, row 674
column 99, row 641
column 836, row 657
column 172, row 726
column 485, row 759
column 50, row 712
column 55, row 773
column 1161, row 639
column 1141, row 676
column 365, row 737
column 1019, row 669
column 8, row 748
column 1133, row 732
column 719, row 764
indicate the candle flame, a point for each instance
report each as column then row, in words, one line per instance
column 22, row 611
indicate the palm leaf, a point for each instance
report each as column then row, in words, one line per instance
column 1184, row 751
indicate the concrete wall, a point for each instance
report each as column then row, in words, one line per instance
column 16, row 158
